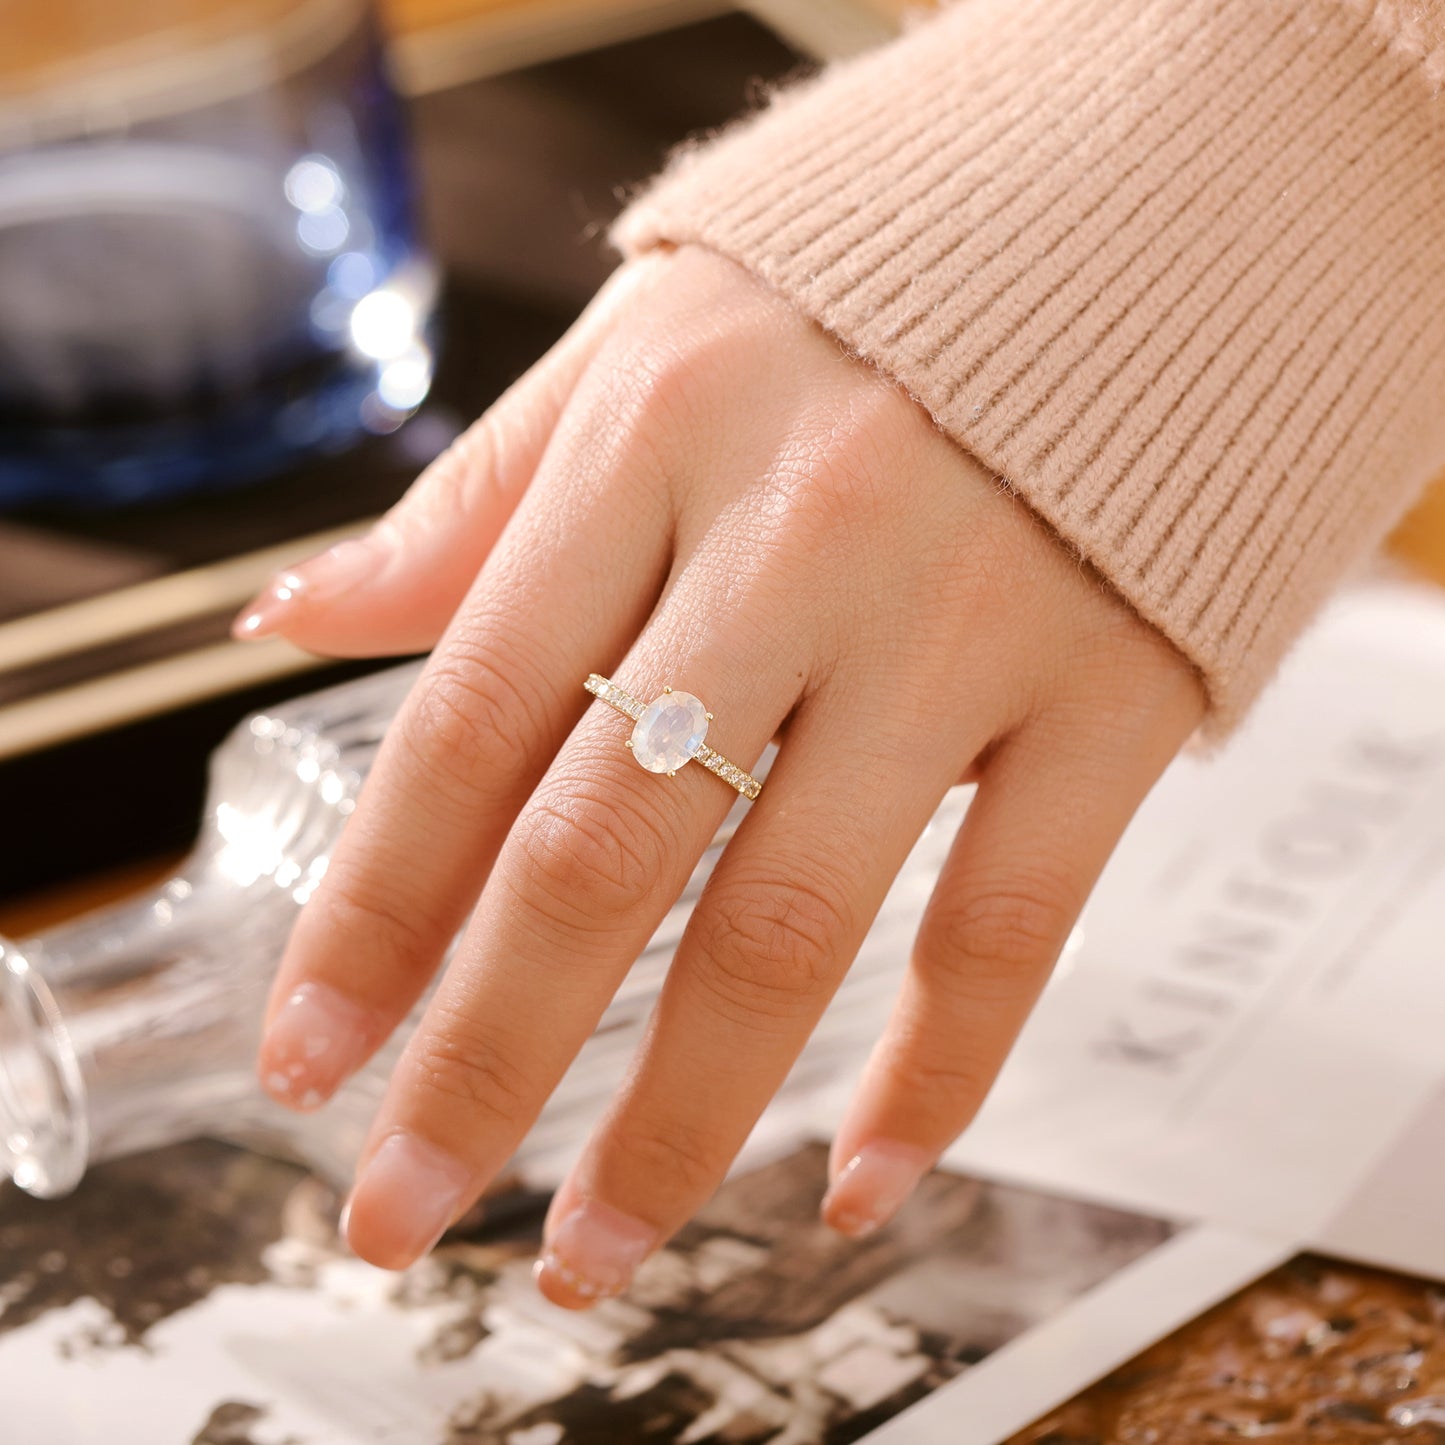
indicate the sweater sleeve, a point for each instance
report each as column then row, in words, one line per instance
column 1173, row 269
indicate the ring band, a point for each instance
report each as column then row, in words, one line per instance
column 669, row 730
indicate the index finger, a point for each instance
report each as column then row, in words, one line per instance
column 489, row 710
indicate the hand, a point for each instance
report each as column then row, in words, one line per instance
column 697, row 487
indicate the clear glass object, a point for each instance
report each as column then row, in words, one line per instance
column 209, row 262
column 137, row 1025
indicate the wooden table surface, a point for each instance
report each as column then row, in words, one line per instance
column 437, row 43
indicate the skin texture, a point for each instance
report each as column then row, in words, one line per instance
column 698, row 487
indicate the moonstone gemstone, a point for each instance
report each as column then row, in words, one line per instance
column 669, row 731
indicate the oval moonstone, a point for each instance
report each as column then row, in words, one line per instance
column 669, row 731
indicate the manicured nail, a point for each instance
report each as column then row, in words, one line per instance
column 317, row 1040
column 872, row 1186
column 318, row 579
column 592, row 1255
column 405, row 1197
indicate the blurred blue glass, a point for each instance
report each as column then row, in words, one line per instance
column 209, row 262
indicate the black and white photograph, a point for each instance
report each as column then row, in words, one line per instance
column 754, row 1325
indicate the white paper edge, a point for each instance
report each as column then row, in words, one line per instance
column 1098, row 1332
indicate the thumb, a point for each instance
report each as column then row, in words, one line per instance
column 394, row 590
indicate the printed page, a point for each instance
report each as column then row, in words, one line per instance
column 201, row 1294
column 1396, row 1217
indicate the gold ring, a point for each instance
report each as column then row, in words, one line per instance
column 668, row 731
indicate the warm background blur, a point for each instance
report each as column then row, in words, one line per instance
column 433, row 38
column 441, row 43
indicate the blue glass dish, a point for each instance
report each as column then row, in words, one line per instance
column 209, row 260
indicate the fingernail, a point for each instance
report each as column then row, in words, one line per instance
column 404, row 1199
column 317, row 1040
column 593, row 1255
column 318, row 579
column 872, row 1186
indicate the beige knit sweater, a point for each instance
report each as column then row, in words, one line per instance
column 1174, row 269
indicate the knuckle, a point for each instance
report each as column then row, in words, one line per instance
column 938, row 1079
column 976, row 574
column 673, row 1150
column 654, row 380
column 447, row 493
column 491, row 454
column 836, row 490
column 1122, row 681
column 1003, row 927
column 344, row 908
column 468, row 713
column 670, row 377
column 772, row 949
column 457, row 1063
column 588, row 861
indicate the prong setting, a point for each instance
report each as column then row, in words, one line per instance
column 713, row 761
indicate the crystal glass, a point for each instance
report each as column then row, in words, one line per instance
column 208, row 257
column 137, row 1025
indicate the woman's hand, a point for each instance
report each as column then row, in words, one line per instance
column 697, row 487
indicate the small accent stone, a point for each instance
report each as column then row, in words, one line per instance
column 668, row 732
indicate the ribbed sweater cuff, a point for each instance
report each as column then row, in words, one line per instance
column 1174, row 269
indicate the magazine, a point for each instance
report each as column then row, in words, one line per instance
column 1233, row 1063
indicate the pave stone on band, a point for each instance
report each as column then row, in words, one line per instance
column 669, row 730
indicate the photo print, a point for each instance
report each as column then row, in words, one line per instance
column 754, row 1325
